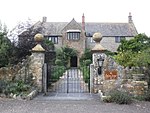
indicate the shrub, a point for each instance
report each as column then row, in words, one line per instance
column 120, row 97
column 57, row 72
column 2, row 85
column 86, row 73
column 16, row 87
column 147, row 96
column 107, row 99
column 58, row 62
column 88, row 62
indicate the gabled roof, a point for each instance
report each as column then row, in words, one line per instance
column 106, row 29
column 111, row 29
column 53, row 28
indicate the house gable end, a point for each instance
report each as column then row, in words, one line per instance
column 73, row 25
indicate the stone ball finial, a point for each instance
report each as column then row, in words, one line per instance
column 97, row 37
column 38, row 37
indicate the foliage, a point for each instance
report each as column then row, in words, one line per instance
column 2, row 85
column 18, row 29
column 125, row 58
column 86, row 58
column 134, row 52
column 59, row 62
column 120, row 97
column 147, row 96
column 85, row 61
column 107, row 99
column 137, row 44
column 64, row 54
column 110, row 53
column 14, row 87
column 86, row 73
column 48, row 45
column 57, row 72
column 5, row 46
column 144, row 97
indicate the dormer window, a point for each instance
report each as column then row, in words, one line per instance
column 73, row 34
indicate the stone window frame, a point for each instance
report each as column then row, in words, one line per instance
column 53, row 39
column 73, row 34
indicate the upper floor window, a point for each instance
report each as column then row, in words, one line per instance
column 118, row 39
column 73, row 34
column 54, row 39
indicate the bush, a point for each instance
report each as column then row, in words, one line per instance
column 88, row 62
column 86, row 73
column 147, row 96
column 16, row 87
column 2, row 85
column 120, row 97
column 58, row 62
column 57, row 72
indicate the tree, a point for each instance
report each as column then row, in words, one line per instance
column 132, row 52
column 137, row 44
column 18, row 29
column 5, row 46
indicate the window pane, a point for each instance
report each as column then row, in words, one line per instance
column 56, row 40
column 73, row 35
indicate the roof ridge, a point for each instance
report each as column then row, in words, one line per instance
column 108, row 22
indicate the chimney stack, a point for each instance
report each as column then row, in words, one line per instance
column 44, row 19
column 83, row 22
column 130, row 18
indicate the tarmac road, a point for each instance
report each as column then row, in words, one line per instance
column 70, row 106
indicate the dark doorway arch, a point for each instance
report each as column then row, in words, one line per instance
column 73, row 61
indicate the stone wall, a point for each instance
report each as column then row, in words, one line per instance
column 123, row 79
column 31, row 67
column 19, row 71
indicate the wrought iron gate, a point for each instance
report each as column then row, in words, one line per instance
column 72, row 80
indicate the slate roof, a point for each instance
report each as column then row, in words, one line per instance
column 53, row 28
column 106, row 29
column 111, row 29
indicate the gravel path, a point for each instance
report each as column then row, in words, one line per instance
column 70, row 106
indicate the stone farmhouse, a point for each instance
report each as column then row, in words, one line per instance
column 78, row 35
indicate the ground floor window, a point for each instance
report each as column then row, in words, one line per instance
column 54, row 39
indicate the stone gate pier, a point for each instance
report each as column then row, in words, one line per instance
column 37, row 62
column 106, row 75
column 96, row 68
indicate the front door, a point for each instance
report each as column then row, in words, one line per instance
column 73, row 61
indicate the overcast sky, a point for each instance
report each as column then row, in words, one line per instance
column 14, row 11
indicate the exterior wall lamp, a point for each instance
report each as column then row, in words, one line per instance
column 100, row 61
